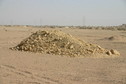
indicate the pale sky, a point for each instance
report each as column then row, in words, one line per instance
column 63, row 12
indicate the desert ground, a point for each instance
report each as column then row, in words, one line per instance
column 18, row 67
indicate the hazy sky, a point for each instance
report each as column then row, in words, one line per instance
column 63, row 12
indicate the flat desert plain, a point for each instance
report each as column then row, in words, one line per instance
column 18, row 67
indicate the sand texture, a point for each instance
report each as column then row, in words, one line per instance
column 20, row 67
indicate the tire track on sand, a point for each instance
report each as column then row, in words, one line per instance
column 30, row 75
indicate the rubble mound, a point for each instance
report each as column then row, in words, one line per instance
column 115, row 38
column 59, row 43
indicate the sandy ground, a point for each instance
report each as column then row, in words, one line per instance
column 34, row 68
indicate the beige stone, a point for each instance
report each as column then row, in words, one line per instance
column 108, row 53
column 115, row 52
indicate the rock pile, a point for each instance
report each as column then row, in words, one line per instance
column 58, row 43
column 115, row 38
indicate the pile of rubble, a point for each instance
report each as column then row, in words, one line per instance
column 59, row 43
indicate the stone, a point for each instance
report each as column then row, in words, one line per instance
column 108, row 53
column 115, row 52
